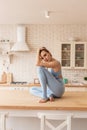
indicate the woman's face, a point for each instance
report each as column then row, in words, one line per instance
column 46, row 56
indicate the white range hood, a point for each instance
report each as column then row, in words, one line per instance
column 21, row 44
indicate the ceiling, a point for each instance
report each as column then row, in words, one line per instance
column 33, row 11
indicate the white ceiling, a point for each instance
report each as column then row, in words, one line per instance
column 33, row 11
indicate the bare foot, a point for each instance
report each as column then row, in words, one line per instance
column 51, row 98
column 43, row 100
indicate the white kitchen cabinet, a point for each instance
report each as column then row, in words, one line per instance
column 73, row 55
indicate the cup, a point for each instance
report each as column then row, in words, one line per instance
column 65, row 81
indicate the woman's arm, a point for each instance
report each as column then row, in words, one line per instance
column 38, row 58
column 51, row 64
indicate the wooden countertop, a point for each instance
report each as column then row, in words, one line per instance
column 22, row 99
column 32, row 84
column 66, row 85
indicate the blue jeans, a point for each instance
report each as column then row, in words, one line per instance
column 49, row 84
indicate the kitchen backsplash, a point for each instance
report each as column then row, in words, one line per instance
column 23, row 64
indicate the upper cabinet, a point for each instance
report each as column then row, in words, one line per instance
column 73, row 55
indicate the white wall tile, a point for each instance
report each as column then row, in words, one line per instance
column 23, row 65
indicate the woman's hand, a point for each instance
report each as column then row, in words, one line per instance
column 39, row 59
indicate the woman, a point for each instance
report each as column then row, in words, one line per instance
column 50, row 77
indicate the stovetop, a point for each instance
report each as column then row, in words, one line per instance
column 19, row 82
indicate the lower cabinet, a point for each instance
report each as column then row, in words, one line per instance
column 76, row 89
column 14, row 88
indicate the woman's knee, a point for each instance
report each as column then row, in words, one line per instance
column 40, row 69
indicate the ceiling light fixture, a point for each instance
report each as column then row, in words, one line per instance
column 47, row 14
